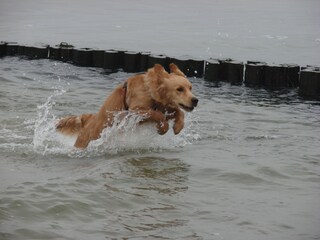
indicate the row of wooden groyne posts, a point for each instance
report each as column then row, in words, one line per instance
column 251, row 73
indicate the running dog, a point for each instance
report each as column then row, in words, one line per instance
column 156, row 95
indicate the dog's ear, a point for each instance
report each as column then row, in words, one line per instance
column 174, row 69
column 158, row 68
column 160, row 73
column 156, row 82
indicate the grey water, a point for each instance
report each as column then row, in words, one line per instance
column 246, row 166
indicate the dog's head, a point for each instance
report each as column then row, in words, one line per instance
column 171, row 89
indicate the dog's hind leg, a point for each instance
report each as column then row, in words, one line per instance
column 93, row 129
column 82, row 140
column 72, row 125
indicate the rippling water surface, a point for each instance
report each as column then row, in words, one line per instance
column 245, row 167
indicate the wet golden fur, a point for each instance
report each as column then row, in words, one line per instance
column 156, row 94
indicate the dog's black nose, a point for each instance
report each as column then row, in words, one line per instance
column 194, row 101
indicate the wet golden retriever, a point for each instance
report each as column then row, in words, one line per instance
column 156, row 94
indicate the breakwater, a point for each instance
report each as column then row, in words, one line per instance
column 250, row 73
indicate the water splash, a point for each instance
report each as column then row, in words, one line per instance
column 125, row 135
column 128, row 135
column 45, row 136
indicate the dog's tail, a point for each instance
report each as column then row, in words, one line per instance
column 72, row 125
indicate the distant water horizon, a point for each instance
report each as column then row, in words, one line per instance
column 270, row 31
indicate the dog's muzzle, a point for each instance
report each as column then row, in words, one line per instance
column 194, row 101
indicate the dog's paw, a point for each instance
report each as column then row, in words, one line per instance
column 163, row 127
column 177, row 127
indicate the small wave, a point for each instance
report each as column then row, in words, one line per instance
column 277, row 37
column 243, row 178
column 262, row 137
column 8, row 135
column 271, row 172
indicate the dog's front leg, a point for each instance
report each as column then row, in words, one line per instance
column 155, row 116
column 178, row 122
column 178, row 116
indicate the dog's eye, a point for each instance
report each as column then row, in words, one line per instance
column 180, row 89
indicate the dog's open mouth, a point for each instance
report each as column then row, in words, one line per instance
column 186, row 108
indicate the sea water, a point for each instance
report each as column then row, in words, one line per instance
column 246, row 165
